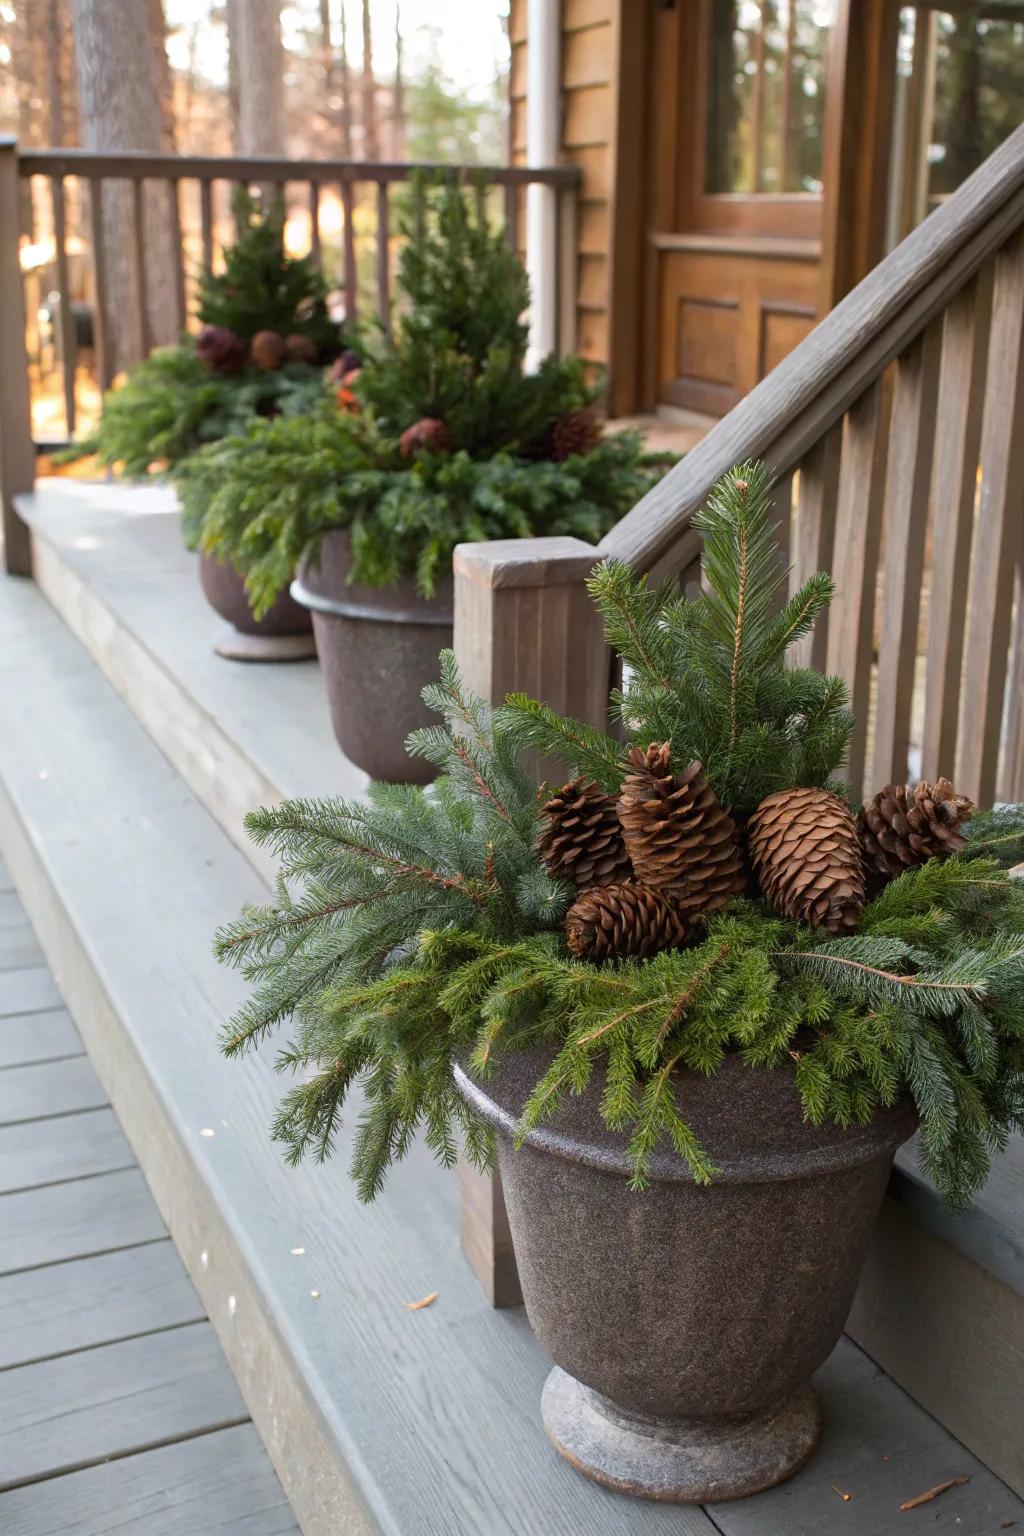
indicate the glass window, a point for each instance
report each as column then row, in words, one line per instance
column 979, row 91
column 766, row 95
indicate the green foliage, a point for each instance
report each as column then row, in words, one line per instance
column 421, row 927
column 709, row 674
column 262, row 498
column 172, row 403
column 262, row 288
column 458, row 346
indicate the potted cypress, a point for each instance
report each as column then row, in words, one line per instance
column 692, row 1002
column 439, row 437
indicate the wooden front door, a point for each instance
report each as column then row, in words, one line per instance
column 736, row 130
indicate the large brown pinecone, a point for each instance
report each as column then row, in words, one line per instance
column 428, row 434
column 612, row 922
column 267, row 351
column 221, row 348
column 678, row 835
column 804, row 848
column 903, row 825
column 575, row 432
column 582, row 839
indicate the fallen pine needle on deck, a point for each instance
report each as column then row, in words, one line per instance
column 846, row 1497
column 933, row 1493
column 424, row 1301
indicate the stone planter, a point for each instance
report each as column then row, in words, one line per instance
column 685, row 1322
column 378, row 648
column 283, row 634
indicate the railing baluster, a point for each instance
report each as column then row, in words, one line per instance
column 67, row 319
column 139, row 231
column 480, row 196
column 206, row 216
column 911, row 439
column 17, row 456
column 815, row 526
column 567, row 238
column 512, row 214
column 349, row 252
column 383, row 255
column 174, row 193
column 954, row 487
column 101, row 332
column 1012, row 773
column 314, row 222
column 996, row 548
column 859, row 501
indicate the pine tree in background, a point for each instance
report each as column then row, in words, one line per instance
column 262, row 288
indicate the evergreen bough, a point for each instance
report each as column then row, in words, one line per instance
column 421, row 926
column 456, row 355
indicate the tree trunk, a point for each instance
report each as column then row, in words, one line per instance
column 369, row 88
column 346, row 90
column 256, row 42
column 398, row 119
column 122, row 102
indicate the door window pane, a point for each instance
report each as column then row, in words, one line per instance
column 979, row 91
column 766, row 95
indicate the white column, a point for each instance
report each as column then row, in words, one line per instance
column 543, row 99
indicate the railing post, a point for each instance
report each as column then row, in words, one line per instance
column 523, row 620
column 17, row 455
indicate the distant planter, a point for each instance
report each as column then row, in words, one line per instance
column 685, row 1322
column 378, row 649
column 285, row 632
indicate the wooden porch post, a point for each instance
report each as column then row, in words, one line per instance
column 858, row 139
column 523, row 620
column 17, row 455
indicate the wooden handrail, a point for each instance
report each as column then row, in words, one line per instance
column 132, row 164
column 791, row 409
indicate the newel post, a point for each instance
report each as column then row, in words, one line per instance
column 17, row 455
column 523, row 621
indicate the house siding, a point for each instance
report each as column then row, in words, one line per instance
column 588, row 117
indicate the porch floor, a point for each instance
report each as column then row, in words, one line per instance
column 435, row 1421
column 118, row 1411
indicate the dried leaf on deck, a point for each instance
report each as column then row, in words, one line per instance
column 933, row 1493
column 424, row 1301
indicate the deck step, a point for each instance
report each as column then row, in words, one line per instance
column 460, row 1384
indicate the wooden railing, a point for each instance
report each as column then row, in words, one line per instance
column 896, row 430
column 178, row 175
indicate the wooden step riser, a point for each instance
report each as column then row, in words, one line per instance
column 316, row 1481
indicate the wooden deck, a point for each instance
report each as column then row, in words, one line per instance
column 118, row 1411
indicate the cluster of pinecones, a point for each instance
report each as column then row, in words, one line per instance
column 665, row 853
column 227, row 353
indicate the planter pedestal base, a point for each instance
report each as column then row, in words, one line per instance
column 232, row 644
column 680, row 1461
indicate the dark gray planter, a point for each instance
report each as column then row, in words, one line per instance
column 685, row 1322
column 285, row 633
column 378, row 648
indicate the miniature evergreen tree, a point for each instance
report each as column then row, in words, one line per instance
column 442, row 925
column 262, row 288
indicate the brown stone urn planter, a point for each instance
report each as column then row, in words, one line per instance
column 378, row 649
column 285, row 633
column 685, row 1322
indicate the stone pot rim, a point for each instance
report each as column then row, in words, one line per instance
column 398, row 604
column 835, row 1146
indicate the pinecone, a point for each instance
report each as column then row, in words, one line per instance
column 428, row 433
column 678, row 835
column 575, row 432
column 804, row 848
column 267, row 350
column 613, row 921
column 300, row 349
column 582, row 839
column 904, row 825
column 221, row 348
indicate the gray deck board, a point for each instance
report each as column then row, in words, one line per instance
column 71, row 1221
column 49, row 1088
column 77, row 1305
column 28, row 991
column 77, row 1147
column 222, row 1484
column 62, row 1414
column 19, row 947
column 6, row 883
column 26, row 1038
